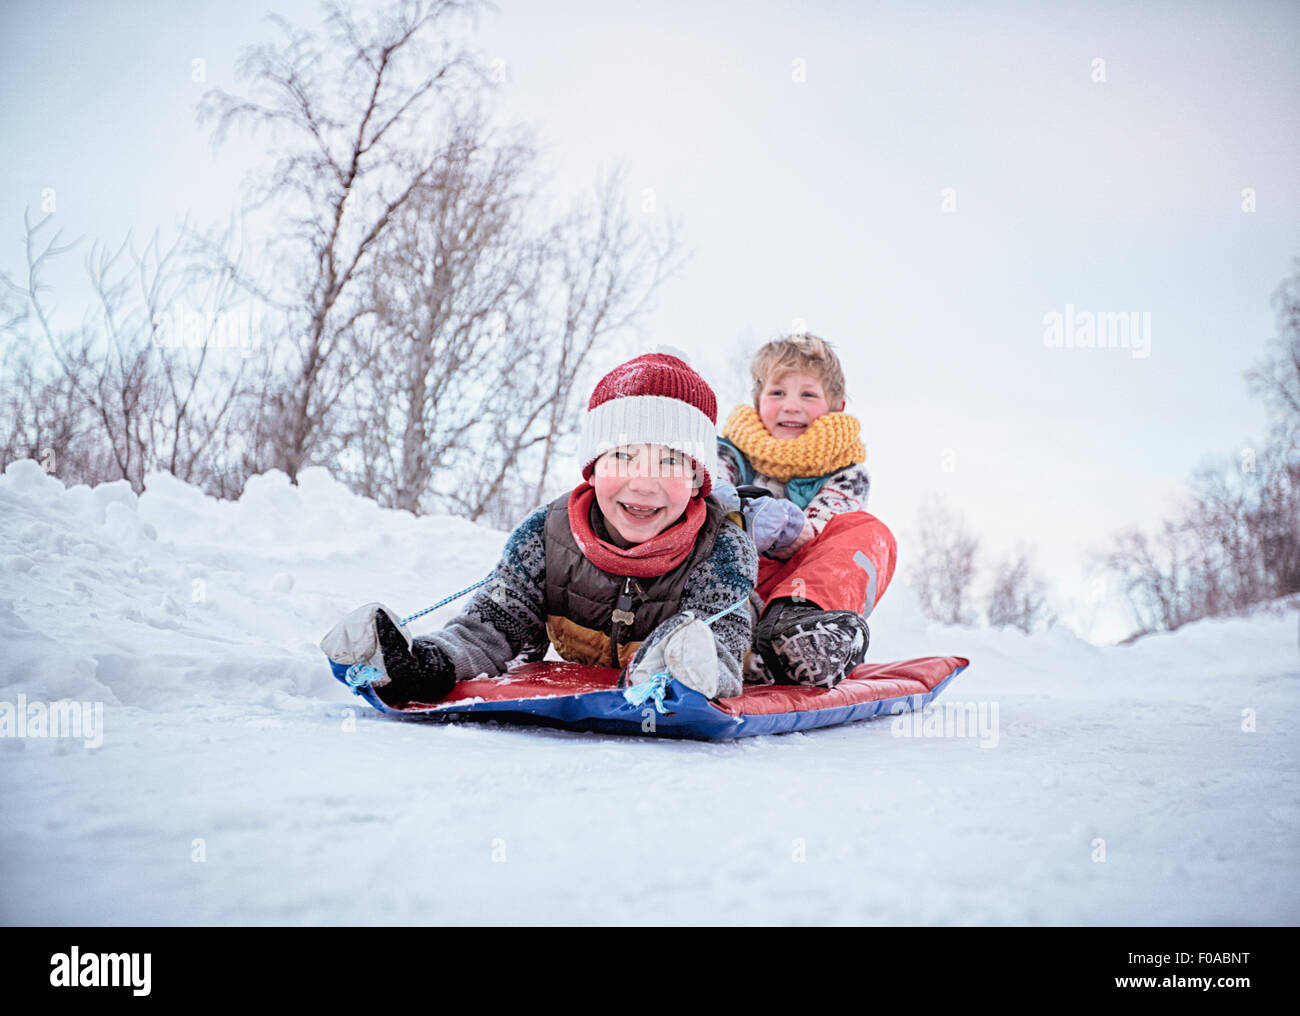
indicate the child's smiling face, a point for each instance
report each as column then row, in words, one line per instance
column 642, row 489
column 789, row 403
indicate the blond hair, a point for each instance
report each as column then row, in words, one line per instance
column 803, row 353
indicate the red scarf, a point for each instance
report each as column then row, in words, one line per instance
column 656, row 556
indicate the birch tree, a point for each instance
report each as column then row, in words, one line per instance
column 346, row 115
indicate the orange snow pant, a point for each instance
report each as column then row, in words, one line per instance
column 847, row 566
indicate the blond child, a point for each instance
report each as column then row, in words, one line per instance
column 825, row 561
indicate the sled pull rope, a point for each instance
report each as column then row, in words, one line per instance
column 443, row 602
column 735, row 606
column 652, row 689
column 359, row 675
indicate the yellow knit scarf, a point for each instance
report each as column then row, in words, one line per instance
column 830, row 443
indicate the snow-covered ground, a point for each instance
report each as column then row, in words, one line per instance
column 238, row 783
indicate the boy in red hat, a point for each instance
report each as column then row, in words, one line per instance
column 826, row 561
column 620, row 572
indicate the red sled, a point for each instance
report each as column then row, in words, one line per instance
column 574, row 696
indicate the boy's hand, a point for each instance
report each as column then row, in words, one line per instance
column 417, row 671
column 408, row 671
column 355, row 639
column 774, row 523
column 689, row 654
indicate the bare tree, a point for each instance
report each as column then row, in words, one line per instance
column 41, row 416
column 1274, row 517
column 1223, row 546
column 1234, row 543
column 42, row 410
column 444, row 291
column 945, row 564
column 349, row 115
column 1276, row 378
column 1018, row 596
column 1152, row 571
column 111, row 400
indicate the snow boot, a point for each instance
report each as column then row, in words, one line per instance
column 421, row 673
column 802, row 644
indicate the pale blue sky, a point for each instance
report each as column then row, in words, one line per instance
column 821, row 199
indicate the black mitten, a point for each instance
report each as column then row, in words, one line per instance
column 421, row 673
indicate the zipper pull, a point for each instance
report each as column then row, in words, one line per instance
column 622, row 618
column 623, row 613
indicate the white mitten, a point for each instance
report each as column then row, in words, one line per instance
column 354, row 639
column 689, row 655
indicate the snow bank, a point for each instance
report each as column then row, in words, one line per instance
column 174, row 596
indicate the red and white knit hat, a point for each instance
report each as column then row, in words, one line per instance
column 654, row 399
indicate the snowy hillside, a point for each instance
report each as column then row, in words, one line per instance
column 233, row 781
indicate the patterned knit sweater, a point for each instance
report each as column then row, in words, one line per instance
column 505, row 621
